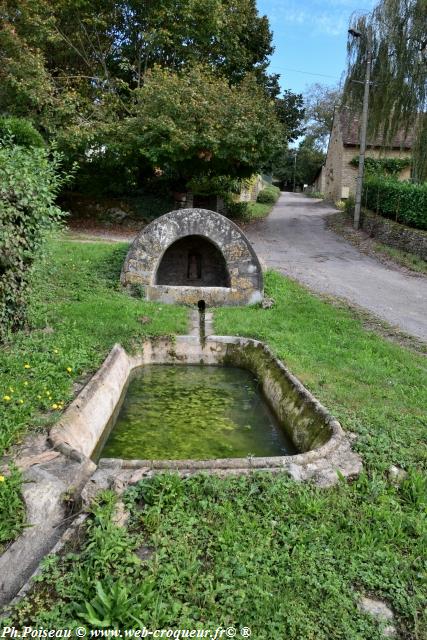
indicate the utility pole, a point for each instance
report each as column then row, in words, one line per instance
column 295, row 169
column 363, row 125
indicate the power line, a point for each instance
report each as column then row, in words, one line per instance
column 308, row 73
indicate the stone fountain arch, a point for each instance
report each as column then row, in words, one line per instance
column 190, row 255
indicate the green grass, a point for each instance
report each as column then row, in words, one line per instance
column 11, row 506
column 375, row 388
column 288, row 560
column 77, row 312
column 404, row 258
column 258, row 210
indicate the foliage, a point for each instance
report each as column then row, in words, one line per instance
column 290, row 111
column 20, row 132
column 383, row 166
column 349, row 205
column 269, row 195
column 198, row 125
column 320, row 103
column 75, row 70
column 237, row 210
column 11, row 506
column 257, row 210
column 69, row 341
column 29, row 183
column 402, row 201
column 397, row 30
column 299, row 166
column 404, row 258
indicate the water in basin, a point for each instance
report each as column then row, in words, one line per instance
column 195, row 412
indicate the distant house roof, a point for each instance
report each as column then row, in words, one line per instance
column 350, row 129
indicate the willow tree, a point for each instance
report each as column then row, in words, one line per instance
column 395, row 35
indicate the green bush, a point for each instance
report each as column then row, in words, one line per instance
column 269, row 195
column 29, row 183
column 403, row 202
column 236, row 210
column 349, row 205
column 19, row 132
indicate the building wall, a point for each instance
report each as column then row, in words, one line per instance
column 339, row 176
column 333, row 163
column 349, row 172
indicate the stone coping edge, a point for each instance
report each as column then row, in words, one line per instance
column 82, row 425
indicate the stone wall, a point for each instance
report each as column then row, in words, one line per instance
column 394, row 234
column 349, row 172
column 193, row 261
column 333, row 164
column 339, row 175
column 244, row 274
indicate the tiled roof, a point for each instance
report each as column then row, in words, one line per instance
column 350, row 129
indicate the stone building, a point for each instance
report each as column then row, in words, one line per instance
column 337, row 178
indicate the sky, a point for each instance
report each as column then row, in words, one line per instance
column 310, row 36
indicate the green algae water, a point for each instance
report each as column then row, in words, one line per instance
column 194, row 412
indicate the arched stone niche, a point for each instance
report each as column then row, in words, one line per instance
column 194, row 254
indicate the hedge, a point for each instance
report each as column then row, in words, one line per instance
column 29, row 183
column 269, row 195
column 403, row 202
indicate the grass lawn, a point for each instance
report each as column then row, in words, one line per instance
column 258, row 210
column 288, row 560
column 77, row 312
column 409, row 260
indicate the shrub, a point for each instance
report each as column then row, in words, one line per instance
column 236, row 210
column 402, row 201
column 269, row 195
column 29, row 183
column 19, row 132
column 349, row 205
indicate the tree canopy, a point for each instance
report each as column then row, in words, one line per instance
column 320, row 102
column 194, row 123
column 85, row 71
column 397, row 33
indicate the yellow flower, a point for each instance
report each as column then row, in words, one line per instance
column 55, row 406
column 69, row 369
column 25, row 384
column 55, row 351
column 11, row 389
column 39, row 397
column 27, row 366
column 2, row 478
column 21, row 401
column 48, row 393
column 6, row 398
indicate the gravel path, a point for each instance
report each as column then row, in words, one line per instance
column 294, row 240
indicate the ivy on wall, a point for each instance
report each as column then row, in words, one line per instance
column 383, row 166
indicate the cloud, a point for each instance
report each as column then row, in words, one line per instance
column 328, row 17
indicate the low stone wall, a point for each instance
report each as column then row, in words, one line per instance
column 395, row 234
column 324, row 448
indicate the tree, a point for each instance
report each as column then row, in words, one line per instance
column 320, row 102
column 75, row 69
column 299, row 166
column 398, row 96
column 193, row 123
column 290, row 111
